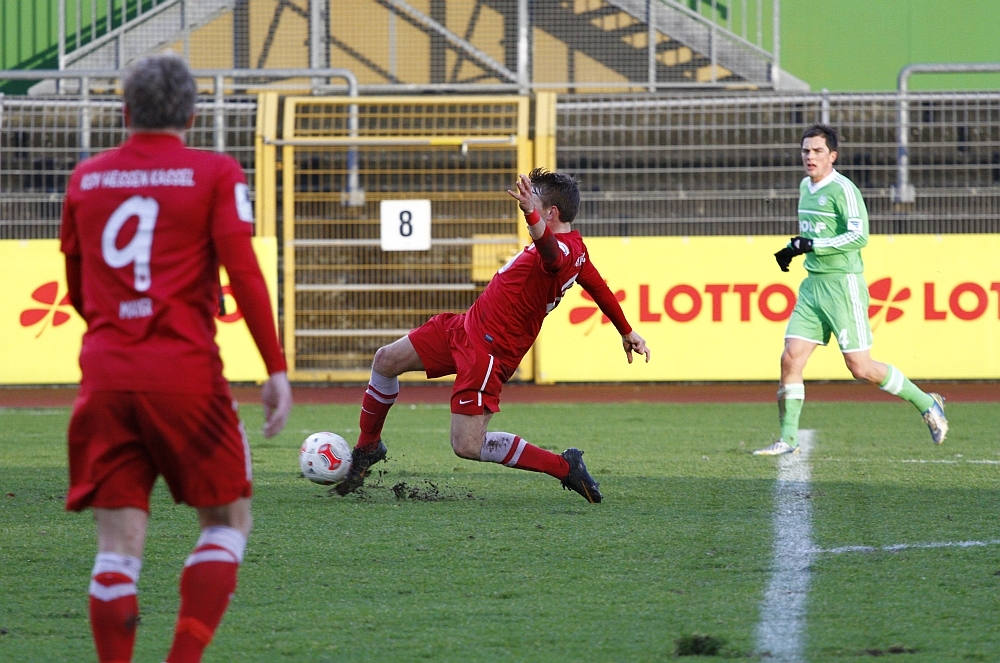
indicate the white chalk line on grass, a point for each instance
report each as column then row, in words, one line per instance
column 782, row 626
column 915, row 461
column 896, row 547
column 781, row 631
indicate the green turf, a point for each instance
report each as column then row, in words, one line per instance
column 505, row 565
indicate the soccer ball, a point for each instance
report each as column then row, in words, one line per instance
column 325, row 458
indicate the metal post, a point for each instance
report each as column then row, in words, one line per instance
column 186, row 33
column 76, row 44
column 824, row 113
column 220, row 117
column 316, row 38
column 355, row 194
column 903, row 191
column 93, row 20
column 711, row 37
column 1, row 152
column 62, row 30
column 62, row 41
column 392, row 46
column 522, row 46
column 84, row 117
column 776, row 39
column 651, row 46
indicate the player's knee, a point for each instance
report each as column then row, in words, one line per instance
column 862, row 370
column 790, row 362
column 466, row 447
column 382, row 363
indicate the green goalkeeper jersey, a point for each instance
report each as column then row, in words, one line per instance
column 832, row 214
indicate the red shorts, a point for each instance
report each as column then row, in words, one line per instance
column 119, row 442
column 445, row 349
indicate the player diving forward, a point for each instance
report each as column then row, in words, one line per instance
column 833, row 298
column 483, row 346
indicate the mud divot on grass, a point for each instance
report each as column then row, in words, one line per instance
column 699, row 644
column 377, row 485
column 895, row 649
column 429, row 492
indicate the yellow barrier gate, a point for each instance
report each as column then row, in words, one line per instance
column 342, row 159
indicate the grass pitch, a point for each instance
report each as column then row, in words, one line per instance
column 448, row 560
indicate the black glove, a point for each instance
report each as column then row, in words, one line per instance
column 801, row 245
column 796, row 247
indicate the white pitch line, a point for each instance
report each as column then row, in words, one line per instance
column 915, row 461
column 896, row 547
column 781, row 631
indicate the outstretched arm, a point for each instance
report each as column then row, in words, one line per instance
column 543, row 238
column 591, row 281
column 525, row 200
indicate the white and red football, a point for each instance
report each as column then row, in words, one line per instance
column 325, row 458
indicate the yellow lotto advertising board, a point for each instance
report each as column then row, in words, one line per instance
column 715, row 308
column 42, row 333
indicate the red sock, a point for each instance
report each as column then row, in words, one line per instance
column 207, row 583
column 114, row 606
column 525, row 456
column 374, row 408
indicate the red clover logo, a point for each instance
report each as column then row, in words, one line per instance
column 46, row 294
column 880, row 293
column 581, row 314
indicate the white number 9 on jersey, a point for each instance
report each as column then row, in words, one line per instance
column 139, row 249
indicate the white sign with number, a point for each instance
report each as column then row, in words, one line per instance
column 406, row 225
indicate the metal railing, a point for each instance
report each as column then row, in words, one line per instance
column 43, row 137
column 466, row 45
column 724, row 163
column 903, row 191
column 343, row 295
column 111, row 33
column 729, row 163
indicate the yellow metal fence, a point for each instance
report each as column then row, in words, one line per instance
column 340, row 158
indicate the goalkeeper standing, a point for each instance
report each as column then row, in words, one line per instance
column 833, row 299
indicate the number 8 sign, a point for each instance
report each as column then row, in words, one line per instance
column 406, row 225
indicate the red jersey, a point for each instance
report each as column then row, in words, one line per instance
column 507, row 317
column 144, row 229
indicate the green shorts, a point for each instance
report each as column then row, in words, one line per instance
column 832, row 304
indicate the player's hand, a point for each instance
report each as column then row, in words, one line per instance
column 632, row 342
column 277, row 398
column 523, row 193
column 784, row 257
column 796, row 247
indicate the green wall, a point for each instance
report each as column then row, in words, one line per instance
column 28, row 29
column 857, row 45
column 841, row 45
